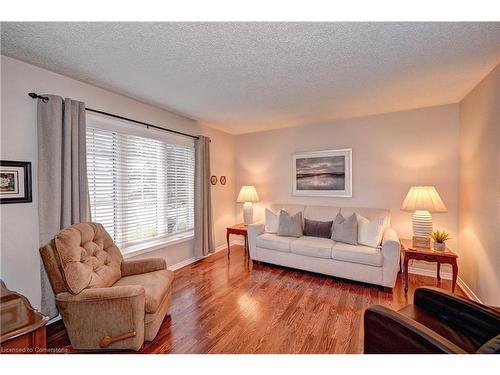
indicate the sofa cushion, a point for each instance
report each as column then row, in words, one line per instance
column 87, row 257
column 312, row 246
column 274, row 242
column 156, row 284
column 357, row 254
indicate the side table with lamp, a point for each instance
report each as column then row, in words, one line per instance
column 247, row 196
column 422, row 200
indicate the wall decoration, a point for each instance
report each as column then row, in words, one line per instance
column 213, row 180
column 222, row 180
column 15, row 181
column 322, row 173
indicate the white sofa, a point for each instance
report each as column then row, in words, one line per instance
column 378, row 266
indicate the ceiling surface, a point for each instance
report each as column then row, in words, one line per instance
column 245, row 77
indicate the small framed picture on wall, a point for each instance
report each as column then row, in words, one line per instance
column 15, row 181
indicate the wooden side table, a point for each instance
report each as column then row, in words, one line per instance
column 240, row 229
column 22, row 327
column 429, row 255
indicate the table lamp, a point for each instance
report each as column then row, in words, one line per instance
column 247, row 195
column 422, row 200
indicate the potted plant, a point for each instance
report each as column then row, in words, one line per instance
column 440, row 237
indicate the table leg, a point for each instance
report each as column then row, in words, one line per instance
column 246, row 244
column 454, row 267
column 438, row 271
column 228, row 247
column 405, row 265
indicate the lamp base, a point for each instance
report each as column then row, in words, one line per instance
column 422, row 228
column 247, row 213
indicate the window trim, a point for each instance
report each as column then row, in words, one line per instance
column 151, row 245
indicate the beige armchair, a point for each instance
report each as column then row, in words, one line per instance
column 106, row 303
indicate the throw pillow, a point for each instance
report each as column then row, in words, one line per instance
column 290, row 226
column 346, row 230
column 315, row 228
column 370, row 232
column 271, row 221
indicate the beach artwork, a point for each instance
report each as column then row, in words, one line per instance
column 322, row 173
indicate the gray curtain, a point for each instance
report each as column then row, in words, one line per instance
column 203, row 221
column 63, row 195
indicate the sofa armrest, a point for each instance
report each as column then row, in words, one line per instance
column 387, row 331
column 254, row 230
column 99, row 313
column 391, row 253
column 478, row 322
column 391, row 247
column 134, row 267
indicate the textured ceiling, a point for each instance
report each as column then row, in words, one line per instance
column 243, row 77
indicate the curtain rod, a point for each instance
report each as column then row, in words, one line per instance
column 45, row 99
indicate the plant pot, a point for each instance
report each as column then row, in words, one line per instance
column 439, row 246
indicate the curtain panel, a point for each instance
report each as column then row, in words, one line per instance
column 203, row 220
column 63, row 196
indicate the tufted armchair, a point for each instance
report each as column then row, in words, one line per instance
column 105, row 302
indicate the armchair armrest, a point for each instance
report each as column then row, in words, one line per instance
column 134, row 267
column 96, row 313
column 387, row 331
column 254, row 230
column 478, row 322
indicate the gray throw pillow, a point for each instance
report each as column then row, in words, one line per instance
column 290, row 226
column 345, row 230
column 315, row 228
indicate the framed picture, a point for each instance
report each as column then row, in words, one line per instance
column 15, row 181
column 322, row 173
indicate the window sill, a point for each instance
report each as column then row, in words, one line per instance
column 153, row 246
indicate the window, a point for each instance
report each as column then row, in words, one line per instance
column 141, row 187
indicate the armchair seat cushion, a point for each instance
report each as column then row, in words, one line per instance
column 443, row 329
column 156, row 285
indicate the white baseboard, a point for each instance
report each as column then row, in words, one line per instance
column 467, row 290
column 428, row 272
column 182, row 264
column 447, row 276
column 189, row 261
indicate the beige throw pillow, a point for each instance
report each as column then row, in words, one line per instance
column 271, row 221
column 345, row 230
column 370, row 232
column 290, row 226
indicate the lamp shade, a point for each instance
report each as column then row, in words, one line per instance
column 247, row 194
column 424, row 198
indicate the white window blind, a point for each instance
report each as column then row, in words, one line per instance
column 141, row 189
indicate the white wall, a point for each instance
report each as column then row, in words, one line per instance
column 19, row 222
column 391, row 152
column 479, row 203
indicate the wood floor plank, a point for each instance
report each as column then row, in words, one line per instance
column 239, row 306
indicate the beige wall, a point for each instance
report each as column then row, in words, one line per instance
column 391, row 152
column 479, row 203
column 19, row 222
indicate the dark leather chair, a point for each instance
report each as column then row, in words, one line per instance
column 437, row 322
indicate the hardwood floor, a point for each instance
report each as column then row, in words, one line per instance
column 234, row 306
